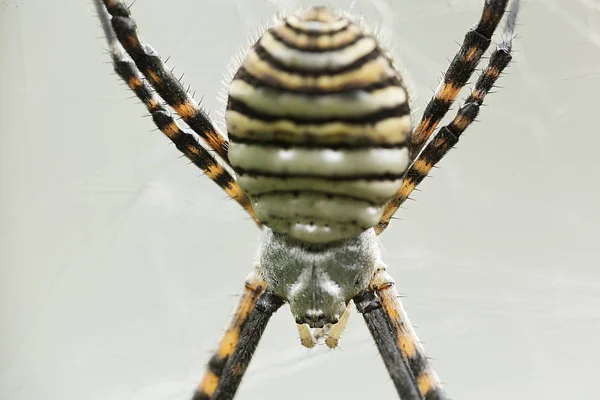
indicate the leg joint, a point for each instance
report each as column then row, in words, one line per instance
column 367, row 302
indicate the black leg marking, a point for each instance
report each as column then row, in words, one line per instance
column 250, row 335
column 475, row 43
column 369, row 306
column 162, row 80
column 413, row 353
column 448, row 135
column 183, row 140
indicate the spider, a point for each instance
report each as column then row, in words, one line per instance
column 321, row 154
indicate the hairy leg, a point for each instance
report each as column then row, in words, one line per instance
column 162, row 80
column 253, row 289
column 412, row 351
column 475, row 43
column 236, row 366
column 183, row 140
column 448, row 135
column 374, row 315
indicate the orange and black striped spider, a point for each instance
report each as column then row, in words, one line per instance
column 321, row 152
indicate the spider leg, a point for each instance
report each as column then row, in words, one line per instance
column 448, row 135
column 229, row 363
column 475, row 43
column 183, row 140
column 161, row 79
column 235, row 368
column 385, row 338
column 412, row 351
column 253, row 288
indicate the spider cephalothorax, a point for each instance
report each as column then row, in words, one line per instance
column 318, row 281
column 321, row 140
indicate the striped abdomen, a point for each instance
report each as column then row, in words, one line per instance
column 318, row 121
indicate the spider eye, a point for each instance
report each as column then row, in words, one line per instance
column 314, row 319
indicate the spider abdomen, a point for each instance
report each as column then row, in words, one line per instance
column 318, row 120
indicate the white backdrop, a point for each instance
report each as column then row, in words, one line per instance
column 119, row 263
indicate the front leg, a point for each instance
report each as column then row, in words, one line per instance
column 182, row 138
column 162, row 80
column 448, row 136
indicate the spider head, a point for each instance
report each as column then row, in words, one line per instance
column 315, row 299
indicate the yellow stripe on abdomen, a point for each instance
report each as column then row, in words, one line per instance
column 319, row 122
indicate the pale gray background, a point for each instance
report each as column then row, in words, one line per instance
column 120, row 263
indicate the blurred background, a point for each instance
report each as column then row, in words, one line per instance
column 120, row 264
